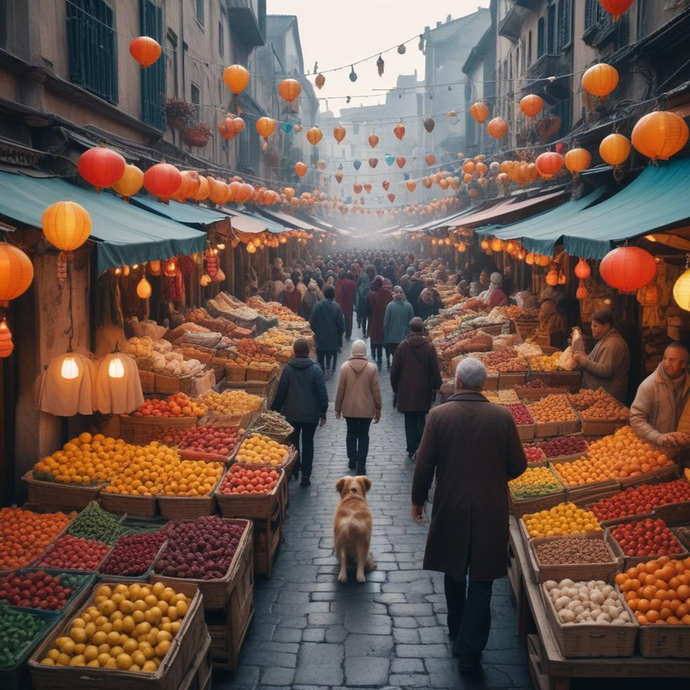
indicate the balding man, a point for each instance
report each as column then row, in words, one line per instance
column 473, row 449
column 660, row 399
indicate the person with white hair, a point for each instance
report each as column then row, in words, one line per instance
column 290, row 297
column 472, row 447
column 494, row 296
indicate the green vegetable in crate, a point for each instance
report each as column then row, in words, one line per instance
column 535, row 482
column 96, row 524
column 17, row 631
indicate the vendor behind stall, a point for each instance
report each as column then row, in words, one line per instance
column 494, row 296
column 607, row 365
column 661, row 401
column 552, row 325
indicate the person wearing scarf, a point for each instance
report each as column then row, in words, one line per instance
column 494, row 295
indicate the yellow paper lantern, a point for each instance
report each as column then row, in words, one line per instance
column 144, row 289
column 484, row 244
column 681, row 291
column 130, row 183
column 496, row 245
column 66, row 225
column 660, row 135
column 16, row 273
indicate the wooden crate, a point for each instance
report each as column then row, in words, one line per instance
column 525, row 432
column 135, row 506
column 60, row 497
column 216, row 593
column 228, row 627
column 267, row 538
column 188, row 507
column 199, row 676
column 142, row 430
column 658, row 641
column 260, row 506
column 575, row 571
column 632, row 561
column 522, row 506
column 674, row 514
column 656, row 476
column 148, row 381
column 491, row 382
column 590, row 639
column 511, row 379
column 600, row 427
column 568, row 379
column 173, row 669
column 534, row 394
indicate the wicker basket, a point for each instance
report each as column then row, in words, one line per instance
column 215, row 592
column 169, row 675
column 142, row 430
column 148, row 381
column 600, row 427
column 656, row 476
column 60, row 496
column 235, row 373
column 674, row 514
column 134, row 578
column 260, row 506
column 525, row 432
column 534, row 394
column 632, row 561
column 188, row 507
column 658, row 641
column 574, row 571
column 134, row 506
column 525, row 506
column 590, row 639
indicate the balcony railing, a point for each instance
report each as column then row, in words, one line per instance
column 248, row 19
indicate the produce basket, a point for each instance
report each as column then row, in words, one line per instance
column 524, row 506
column 491, row 381
column 591, row 639
column 511, row 379
column 632, row 561
column 64, row 497
column 216, row 592
column 665, row 641
column 259, row 506
column 148, row 381
column 188, row 507
column 525, row 432
column 533, row 394
column 16, row 677
column 136, row 506
column 600, row 427
column 674, row 514
column 168, row 676
column 142, row 430
column 235, row 373
column 656, row 476
column 575, row 571
column 567, row 379
column 134, row 578
column 36, row 563
column 526, row 539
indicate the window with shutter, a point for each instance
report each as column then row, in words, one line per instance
column 594, row 13
column 221, row 39
column 551, row 29
column 92, row 47
column 152, row 78
column 541, row 39
column 565, row 9
column 529, row 48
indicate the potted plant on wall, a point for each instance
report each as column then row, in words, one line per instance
column 197, row 134
column 178, row 112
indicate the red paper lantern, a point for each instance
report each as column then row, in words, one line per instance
column 582, row 270
column 548, row 164
column 162, row 180
column 616, row 7
column 101, row 167
column 399, row 131
column 497, row 128
column 300, row 169
column 145, row 50
column 627, row 268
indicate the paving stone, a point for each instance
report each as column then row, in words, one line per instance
column 368, row 645
column 406, row 666
column 410, row 680
column 366, row 670
column 278, row 676
column 421, row 651
column 314, row 635
column 287, row 635
column 406, row 636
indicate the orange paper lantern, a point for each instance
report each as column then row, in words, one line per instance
column 479, row 111
column 339, row 133
column 532, row 105
column 660, row 135
column 145, row 50
column 66, row 225
column 162, row 180
column 614, row 149
column 289, row 89
column 497, row 128
column 548, row 164
column 373, row 141
column 16, row 273
column 265, row 126
column 130, row 183
column 101, row 166
column 226, row 127
column 6, row 344
column 300, row 169
column 411, row 185
column 577, row 160
column 627, row 268
column 314, row 136
column 582, row 270
column 600, row 80
column 430, row 159
column 203, row 191
column 236, row 78
column 399, row 131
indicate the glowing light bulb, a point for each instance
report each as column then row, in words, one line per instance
column 116, row 369
column 69, row 369
column 221, row 246
column 144, row 289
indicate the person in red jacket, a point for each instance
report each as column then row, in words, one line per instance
column 380, row 296
column 291, row 297
column 345, row 291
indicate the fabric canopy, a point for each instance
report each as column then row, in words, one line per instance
column 437, row 222
column 290, row 222
column 187, row 214
column 540, row 233
column 251, row 223
column 655, row 200
column 123, row 233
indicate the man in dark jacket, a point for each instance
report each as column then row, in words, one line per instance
column 303, row 399
column 413, row 292
column 473, row 449
column 415, row 377
column 345, row 292
column 328, row 323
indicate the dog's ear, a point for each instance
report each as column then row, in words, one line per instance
column 366, row 483
column 340, row 485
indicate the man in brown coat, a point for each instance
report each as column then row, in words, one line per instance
column 415, row 378
column 473, row 448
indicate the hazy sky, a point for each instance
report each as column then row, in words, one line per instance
column 338, row 32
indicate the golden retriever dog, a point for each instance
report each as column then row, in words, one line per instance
column 352, row 526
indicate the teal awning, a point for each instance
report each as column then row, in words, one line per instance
column 542, row 232
column 123, row 234
column 657, row 199
column 187, row 214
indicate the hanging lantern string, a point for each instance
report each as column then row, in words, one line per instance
column 69, row 331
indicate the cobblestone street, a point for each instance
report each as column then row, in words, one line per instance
column 310, row 631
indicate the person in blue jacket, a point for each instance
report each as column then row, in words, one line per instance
column 396, row 322
column 303, row 400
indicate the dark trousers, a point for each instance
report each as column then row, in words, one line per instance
column 390, row 351
column 357, row 440
column 348, row 326
column 414, row 429
column 377, row 353
column 327, row 359
column 469, row 616
column 305, row 458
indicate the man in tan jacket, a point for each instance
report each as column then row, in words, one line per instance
column 607, row 365
column 660, row 400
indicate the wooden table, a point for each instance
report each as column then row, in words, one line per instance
column 549, row 669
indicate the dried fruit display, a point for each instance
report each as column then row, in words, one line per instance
column 562, row 445
column 552, row 408
column 545, row 362
column 520, row 413
column 599, row 405
column 573, row 550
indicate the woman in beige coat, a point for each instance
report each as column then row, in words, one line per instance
column 358, row 400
